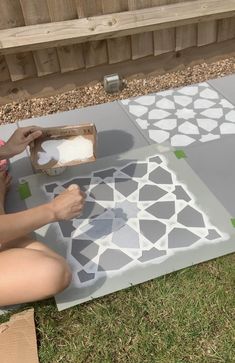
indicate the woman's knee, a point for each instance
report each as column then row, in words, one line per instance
column 57, row 275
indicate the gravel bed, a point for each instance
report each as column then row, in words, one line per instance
column 95, row 94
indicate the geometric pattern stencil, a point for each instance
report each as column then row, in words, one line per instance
column 135, row 214
column 183, row 116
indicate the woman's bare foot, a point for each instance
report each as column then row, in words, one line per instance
column 5, row 182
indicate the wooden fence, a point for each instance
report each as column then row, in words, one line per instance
column 82, row 56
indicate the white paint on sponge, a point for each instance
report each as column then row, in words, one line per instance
column 66, row 151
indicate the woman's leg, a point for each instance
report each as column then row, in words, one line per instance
column 29, row 270
column 28, row 275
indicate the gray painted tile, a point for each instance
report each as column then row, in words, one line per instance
column 180, row 237
column 105, row 174
column 136, row 170
column 160, row 176
column 181, row 194
column 190, row 217
column 79, row 245
column 151, row 192
column 113, row 260
column 151, row 255
column 125, row 186
column 85, row 276
column 102, row 191
column 152, row 230
column 50, row 187
column 66, row 228
column 164, row 210
column 213, row 234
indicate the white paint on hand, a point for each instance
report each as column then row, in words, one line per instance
column 66, row 151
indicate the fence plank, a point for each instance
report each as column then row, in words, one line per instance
column 186, row 36
column 36, row 12
column 95, row 53
column 226, row 29
column 119, row 49
column 141, row 44
column 22, row 66
column 70, row 57
column 4, row 72
column 207, row 33
column 87, row 8
column 164, row 41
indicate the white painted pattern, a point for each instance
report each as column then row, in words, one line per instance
column 190, row 111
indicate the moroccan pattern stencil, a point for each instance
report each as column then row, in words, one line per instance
column 134, row 215
column 183, row 116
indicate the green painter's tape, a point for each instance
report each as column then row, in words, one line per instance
column 180, row 154
column 24, row 190
column 233, row 222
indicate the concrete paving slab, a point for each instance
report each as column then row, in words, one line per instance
column 116, row 133
column 214, row 164
column 226, row 86
column 131, row 240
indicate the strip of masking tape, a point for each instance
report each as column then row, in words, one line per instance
column 24, row 190
column 180, row 154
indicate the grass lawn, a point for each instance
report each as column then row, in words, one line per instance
column 187, row 316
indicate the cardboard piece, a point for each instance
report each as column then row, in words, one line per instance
column 18, row 339
column 88, row 131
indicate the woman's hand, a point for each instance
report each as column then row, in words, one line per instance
column 20, row 139
column 68, row 204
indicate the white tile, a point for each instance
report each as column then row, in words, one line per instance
column 207, row 124
column 185, row 113
column 230, row 116
column 227, row 128
column 183, row 100
column 145, row 100
column 165, row 104
column 137, row 110
column 188, row 128
column 166, row 124
column 210, row 94
column 203, row 103
column 159, row 136
column 213, row 113
column 181, row 140
column 157, row 114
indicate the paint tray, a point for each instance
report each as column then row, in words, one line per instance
column 88, row 131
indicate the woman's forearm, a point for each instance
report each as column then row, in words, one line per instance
column 16, row 225
column 5, row 152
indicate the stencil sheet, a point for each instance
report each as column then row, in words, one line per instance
column 147, row 214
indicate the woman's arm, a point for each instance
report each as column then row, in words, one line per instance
column 16, row 225
column 66, row 206
column 18, row 142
